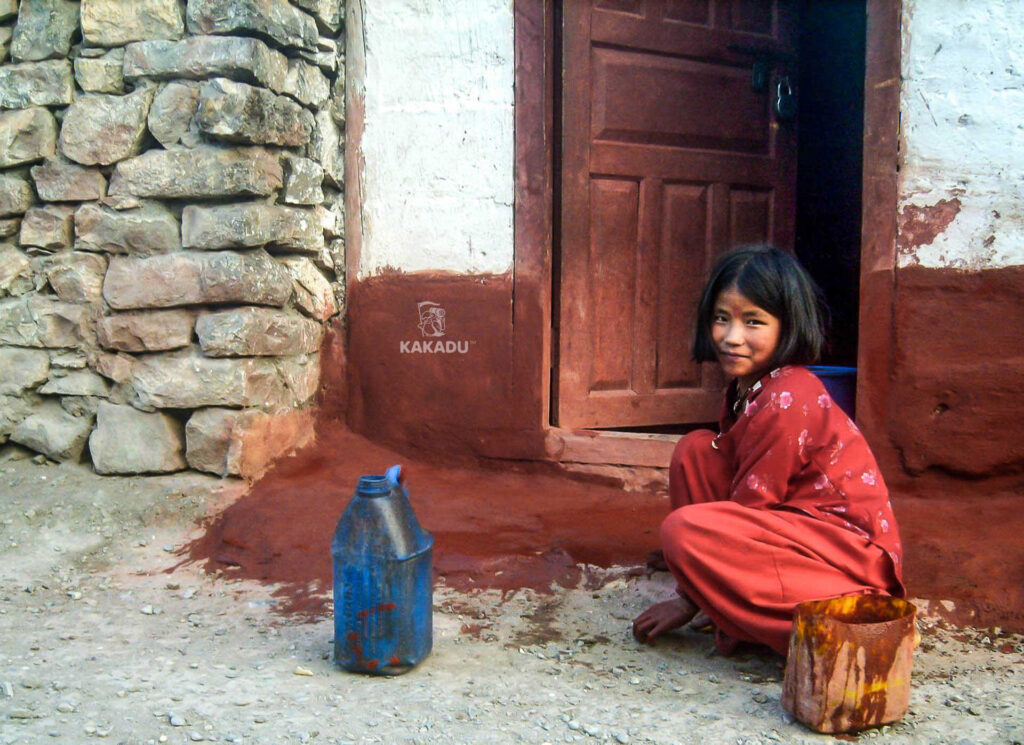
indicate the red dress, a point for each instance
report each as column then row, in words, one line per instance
column 786, row 504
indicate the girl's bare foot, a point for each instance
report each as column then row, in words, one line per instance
column 662, row 617
column 701, row 621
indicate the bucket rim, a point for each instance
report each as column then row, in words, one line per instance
column 906, row 611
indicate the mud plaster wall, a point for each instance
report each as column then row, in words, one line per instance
column 947, row 434
column 171, row 227
column 431, row 138
column 960, row 237
column 962, row 167
column 437, row 138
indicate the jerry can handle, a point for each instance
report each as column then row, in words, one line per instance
column 394, row 477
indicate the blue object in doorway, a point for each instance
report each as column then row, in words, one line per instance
column 841, row 384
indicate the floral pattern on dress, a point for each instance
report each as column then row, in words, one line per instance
column 802, row 442
column 757, row 484
column 833, row 455
column 793, row 448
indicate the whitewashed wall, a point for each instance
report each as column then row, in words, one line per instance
column 962, row 119
column 437, row 145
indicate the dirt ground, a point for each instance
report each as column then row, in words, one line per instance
column 103, row 635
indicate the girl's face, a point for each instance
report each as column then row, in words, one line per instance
column 745, row 336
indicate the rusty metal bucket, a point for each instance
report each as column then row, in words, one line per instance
column 849, row 662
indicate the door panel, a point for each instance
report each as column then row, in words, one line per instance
column 623, row 6
column 688, row 11
column 662, row 91
column 686, row 212
column 750, row 213
column 669, row 157
column 613, row 229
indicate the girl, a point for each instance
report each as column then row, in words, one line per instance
column 785, row 503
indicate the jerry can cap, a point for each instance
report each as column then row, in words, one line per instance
column 373, row 486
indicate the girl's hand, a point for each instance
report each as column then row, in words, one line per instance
column 662, row 617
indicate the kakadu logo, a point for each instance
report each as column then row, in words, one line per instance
column 433, row 326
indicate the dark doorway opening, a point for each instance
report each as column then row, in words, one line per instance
column 829, row 161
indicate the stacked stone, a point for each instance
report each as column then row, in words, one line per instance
column 171, row 227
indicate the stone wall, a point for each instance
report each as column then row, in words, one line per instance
column 171, row 227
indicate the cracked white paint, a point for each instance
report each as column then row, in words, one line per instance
column 437, row 145
column 962, row 120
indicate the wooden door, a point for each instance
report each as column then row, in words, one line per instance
column 669, row 157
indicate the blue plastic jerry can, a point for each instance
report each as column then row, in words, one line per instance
column 383, row 590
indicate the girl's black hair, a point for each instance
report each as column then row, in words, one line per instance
column 776, row 282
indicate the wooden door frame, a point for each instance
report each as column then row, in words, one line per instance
column 878, row 255
column 533, row 212
column 535, row 77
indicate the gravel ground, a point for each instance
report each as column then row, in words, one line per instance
column 100, row 639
